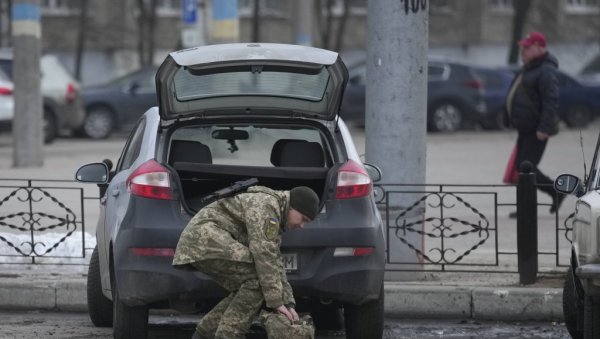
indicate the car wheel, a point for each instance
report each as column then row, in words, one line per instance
column 50, row 127
column 578, row 116
column 591, row 317
column 366, row 320
column 326, row 317
column 99, row 123
column 100, row 307
column 571, row 307
column 128, row 321
column 446, row 117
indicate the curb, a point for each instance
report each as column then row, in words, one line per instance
column 401, row 301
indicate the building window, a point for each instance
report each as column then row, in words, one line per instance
column 267, row 7
column 582, row 6
column 440, row 7
column 168, row 7
column 501, row 6
column 355, row 7
column 60, row 7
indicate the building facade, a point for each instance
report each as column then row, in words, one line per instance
column 477, row 31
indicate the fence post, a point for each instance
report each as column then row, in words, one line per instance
column 527, row 240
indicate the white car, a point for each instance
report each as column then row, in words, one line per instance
column 6, row 100
column 581, row 293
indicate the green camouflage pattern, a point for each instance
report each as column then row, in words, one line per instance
column 278, row 326
column 241, row 229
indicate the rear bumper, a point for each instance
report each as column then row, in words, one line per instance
column 589, row 276
column 146, row 280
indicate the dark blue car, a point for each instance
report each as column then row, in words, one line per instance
column 579, row 102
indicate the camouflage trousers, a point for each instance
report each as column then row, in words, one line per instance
column 232, row 317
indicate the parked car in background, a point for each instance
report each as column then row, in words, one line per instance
column 578, row 105
column 591, row 71
column 496, row 83
column 267, row 111
column 581, row 291
column 6, row 101
column 118, row 104
column 62, row 108
column 455, row 96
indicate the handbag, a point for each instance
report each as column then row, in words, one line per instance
column 511, row 173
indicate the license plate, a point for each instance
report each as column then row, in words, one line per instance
column 290, row 262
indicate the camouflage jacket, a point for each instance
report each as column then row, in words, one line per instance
column 246, row 228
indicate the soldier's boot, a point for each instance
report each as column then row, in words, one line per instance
column 242, row 310
column 209, row 323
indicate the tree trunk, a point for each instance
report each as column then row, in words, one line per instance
column 151, row 30
column 521, row 8
column 256, row 21
column 328, row 24
column 339, row 38
column 81, row 35
column 319, row 21
column 141, row 32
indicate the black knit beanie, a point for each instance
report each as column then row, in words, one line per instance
column 304, row 200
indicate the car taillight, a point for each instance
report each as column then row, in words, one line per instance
column 150, row 180
column 353, row 251
column 71, row 93
column 353, row 181
column 476, row 84
column 152, row 251
column 5, row 91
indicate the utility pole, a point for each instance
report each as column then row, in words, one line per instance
column 27, row 128
column 225, row 21
column 396, row 114
column 304, row 22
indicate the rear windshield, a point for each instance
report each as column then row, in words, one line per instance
column 253, row 81
column 249, row 145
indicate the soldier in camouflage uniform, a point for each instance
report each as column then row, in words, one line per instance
column 236, row 241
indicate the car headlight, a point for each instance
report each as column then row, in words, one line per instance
column 583, row 234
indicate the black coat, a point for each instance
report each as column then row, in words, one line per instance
column 535, row 102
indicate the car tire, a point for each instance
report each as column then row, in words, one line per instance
column 100, row 307
column 571, row 310
column 128, row 321
column 578, row 116
column 446, row 117
column 366, row 320
column 591, row 317
column 99, row 122
column 326, row 317
column 50, row 127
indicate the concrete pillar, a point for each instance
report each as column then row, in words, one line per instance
column 304, row 22
column 225, row 21
column 27, row 122
column 396, row 112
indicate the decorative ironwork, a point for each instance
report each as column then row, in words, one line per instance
column 457, row 229
column 441, row 227
column 38, row 214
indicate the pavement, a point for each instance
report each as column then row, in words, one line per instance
column 491, row 296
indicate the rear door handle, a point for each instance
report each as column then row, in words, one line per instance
column 115, row 193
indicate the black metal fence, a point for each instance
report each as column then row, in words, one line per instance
column 437, row 228
column 43, row 221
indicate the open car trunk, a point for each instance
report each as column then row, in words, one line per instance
column 211, row 157
column 200, row 180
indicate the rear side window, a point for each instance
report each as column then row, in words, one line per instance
column 133, row 147
column 245, row 145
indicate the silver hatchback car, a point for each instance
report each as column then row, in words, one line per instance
column 581, row 292
column 228, row 113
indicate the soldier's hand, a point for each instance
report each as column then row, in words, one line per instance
column 541, row 136
column 295, row 316
column 283, row 310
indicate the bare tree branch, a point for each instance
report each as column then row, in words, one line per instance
column 521, row 8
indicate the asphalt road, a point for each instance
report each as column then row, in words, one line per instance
column 44, row 325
